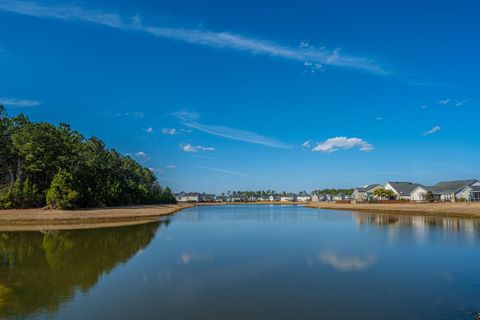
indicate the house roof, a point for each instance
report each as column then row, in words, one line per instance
column 404, row 188
column 451, row 186
column 367, row 187
column 475, row 189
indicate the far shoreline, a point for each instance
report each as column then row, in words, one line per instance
column 44, row 219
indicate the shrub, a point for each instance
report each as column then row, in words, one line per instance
column 430, row 197
column 61, row 194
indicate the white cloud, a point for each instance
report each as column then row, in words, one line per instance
column 462, row 102
column 156, row 170
column 172, row 166
column 170, row 131
column 379, row 118
column 431, row 131
column 237, row 134
column 222, row 40
column 337, row 143
column 142, row 155
column 190, row 148
column 20, row 103
column 307, row 144
column 424, row 106
column 149, row 130
column 444, row 101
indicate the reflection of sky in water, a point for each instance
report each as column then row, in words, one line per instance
column 253, row 262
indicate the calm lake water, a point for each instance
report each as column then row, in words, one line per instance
column 247, row 262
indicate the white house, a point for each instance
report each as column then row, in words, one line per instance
column 304, row 198
column 402, row 190
column 195, row 197
column 289, row 197
column 419, row 194
column 188, row 197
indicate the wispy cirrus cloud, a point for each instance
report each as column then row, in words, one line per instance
column 432, row 131
column 228, row 172
column 238, row 134
column 307, row 144
column 444, row 101
column 191, row 148
column 19, row 103
column 221, row 40
column 461, row 102
column 337, row 143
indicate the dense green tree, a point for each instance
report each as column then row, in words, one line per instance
column 383, row 193
column 87, row 173
column 333, row 191
column 61, row 194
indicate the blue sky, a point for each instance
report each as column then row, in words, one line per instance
column 217, row 96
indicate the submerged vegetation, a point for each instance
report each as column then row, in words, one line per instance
column 42, row 164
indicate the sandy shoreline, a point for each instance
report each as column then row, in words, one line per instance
column 40, row 219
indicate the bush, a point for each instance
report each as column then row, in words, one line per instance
column 22, row 194
column 61, row 194
column 430, row 197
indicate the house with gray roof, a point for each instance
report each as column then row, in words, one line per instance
column 402, row 189
column 454, row 190
column 450, row 190
column 365, row 193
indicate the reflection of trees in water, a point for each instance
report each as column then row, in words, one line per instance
column 39, row 271
column 423, row 222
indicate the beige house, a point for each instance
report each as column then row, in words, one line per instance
column 366, row 192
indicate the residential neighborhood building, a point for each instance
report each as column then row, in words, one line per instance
column 195, row 197
column 402, row 190
column 304, row 198
column 365, row 193
column 289, row 197
column 468, row 190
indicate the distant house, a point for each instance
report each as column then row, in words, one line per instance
column 366, row 192
column 188, row 197
column 289, row 197
column 419, row 194
column 402, row 190
column 304, row 198
column 195, row 197
column 339, row 196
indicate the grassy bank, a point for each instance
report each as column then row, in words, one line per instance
column 459, row 209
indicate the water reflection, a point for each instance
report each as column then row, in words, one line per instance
column 419, row 224
column 39, row 271
column 347, row 263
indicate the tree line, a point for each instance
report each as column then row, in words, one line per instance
column 348, row 191
column 42, row 164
